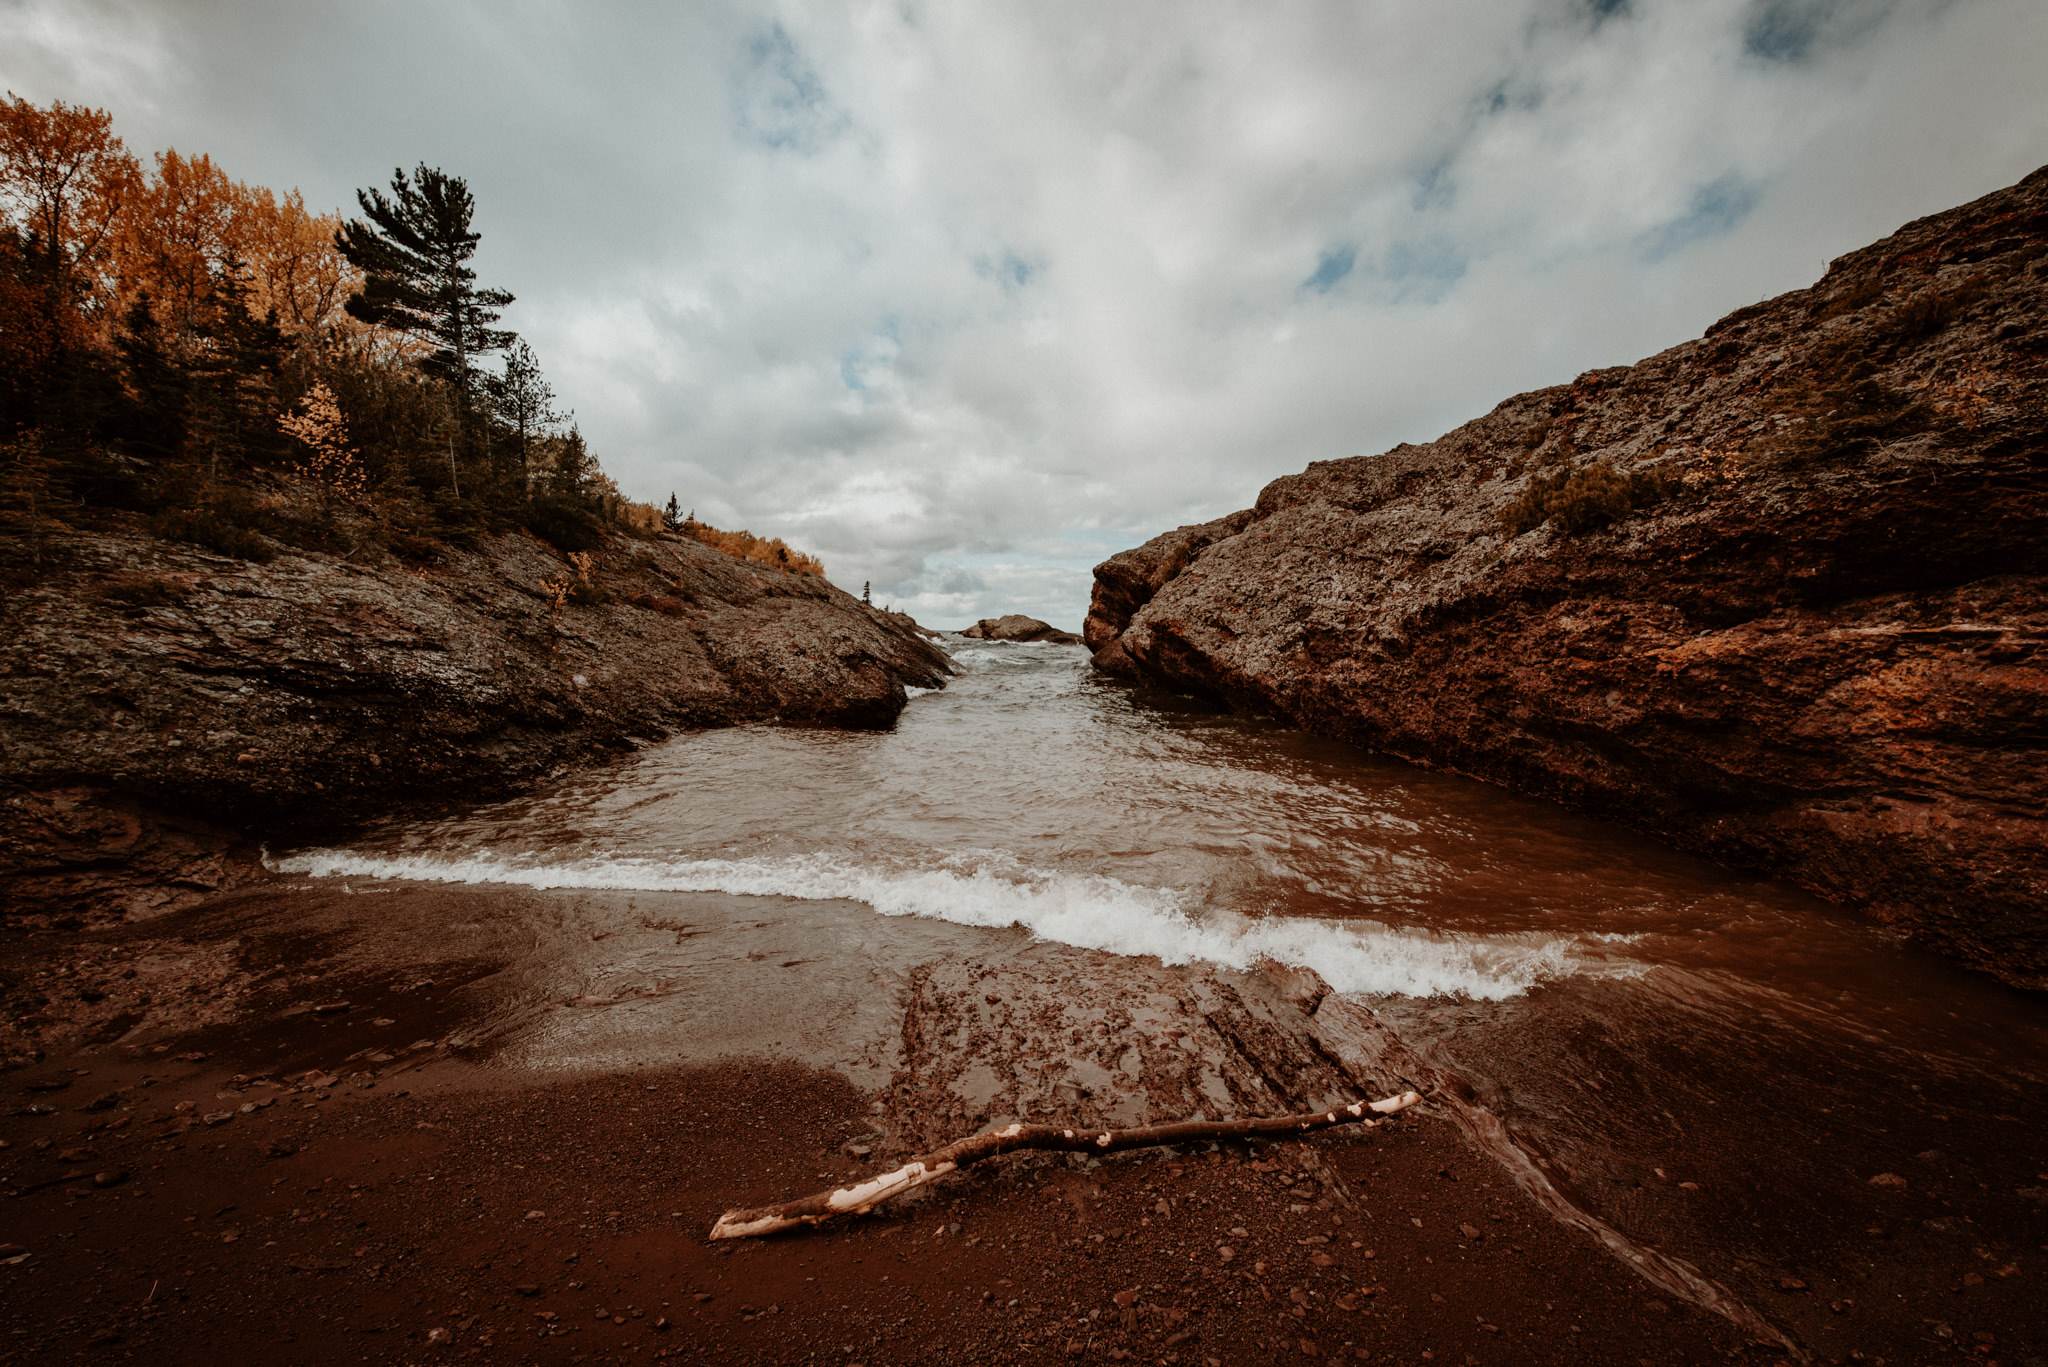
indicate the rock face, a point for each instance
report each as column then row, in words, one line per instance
column 1788, row 609
column 163, row 702
column 1017, row 627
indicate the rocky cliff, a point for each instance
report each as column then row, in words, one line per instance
column 165, row 705
column 1775, row 595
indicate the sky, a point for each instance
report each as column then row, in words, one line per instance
column 966, row 297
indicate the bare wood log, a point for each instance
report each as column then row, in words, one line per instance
column 862, row 1197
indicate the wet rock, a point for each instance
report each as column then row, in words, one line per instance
column 365, row 687
column 1017, row 627
column 1798, row 633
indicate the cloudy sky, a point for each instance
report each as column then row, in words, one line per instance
column 964, row 297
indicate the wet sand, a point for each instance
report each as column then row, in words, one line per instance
column 565, row 1222
column 426, row 1067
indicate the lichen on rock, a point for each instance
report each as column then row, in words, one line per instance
column 1775, row 595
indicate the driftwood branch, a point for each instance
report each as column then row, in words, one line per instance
column 862, row 1197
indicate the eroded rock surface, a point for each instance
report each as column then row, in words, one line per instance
column 165, row 705
column 1016, row 626
column 1813, row 646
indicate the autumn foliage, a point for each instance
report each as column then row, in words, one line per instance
column 182, row 344
column 745, row 545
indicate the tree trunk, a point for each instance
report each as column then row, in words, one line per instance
column 863, row 1197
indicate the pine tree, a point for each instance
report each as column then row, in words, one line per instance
column 154, row 419
column 233, row 367
column 521, row 397
column 672, row 515
column 414, row 255
column 865, row 596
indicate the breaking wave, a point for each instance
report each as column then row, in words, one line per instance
column 1087, row 911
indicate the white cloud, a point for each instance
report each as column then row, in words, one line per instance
column 964, row 297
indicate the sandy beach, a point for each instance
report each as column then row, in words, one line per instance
column 412, row 1155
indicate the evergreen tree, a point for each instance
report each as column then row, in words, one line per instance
column 233, row 373
column 154, row 421
column 414, row 255
column 672, row 515
column 521, row 397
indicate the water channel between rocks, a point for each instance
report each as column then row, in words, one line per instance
column 1714, row 1064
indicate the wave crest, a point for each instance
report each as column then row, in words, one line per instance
column 1088, row 911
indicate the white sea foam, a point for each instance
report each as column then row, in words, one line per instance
column 1087, row 911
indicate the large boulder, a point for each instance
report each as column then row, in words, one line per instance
column 1017, row 627
column 1778, row 595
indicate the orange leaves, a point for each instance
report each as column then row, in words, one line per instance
column 293, row 266
column 176, row 235
column 66, row 181
column 330, row 462
column 192, row 224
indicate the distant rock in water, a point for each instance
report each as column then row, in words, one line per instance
column 167, row 705
column 1778, row 595
column 1017, row 627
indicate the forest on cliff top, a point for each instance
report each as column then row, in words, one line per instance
column 250, row 374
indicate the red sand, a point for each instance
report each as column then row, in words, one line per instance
column 383, row 1225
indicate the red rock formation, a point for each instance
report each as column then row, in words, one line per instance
column 164, row 702
column 1788, row 609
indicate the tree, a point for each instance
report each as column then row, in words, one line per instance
column 572, row 467
column 65, row 178
column 414, row 255
column 232, row 360
column 175, row 237
column 331, row 462
column 672, row 515
column 295, row 270
column 521, row 397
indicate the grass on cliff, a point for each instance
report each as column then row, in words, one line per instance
column 1583, row 500
column 744, row 545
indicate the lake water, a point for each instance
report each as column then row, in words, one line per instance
column 1647, row 1019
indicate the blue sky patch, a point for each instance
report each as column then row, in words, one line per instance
column 1333, row 265
column 780, row 98
column 1716, row 208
